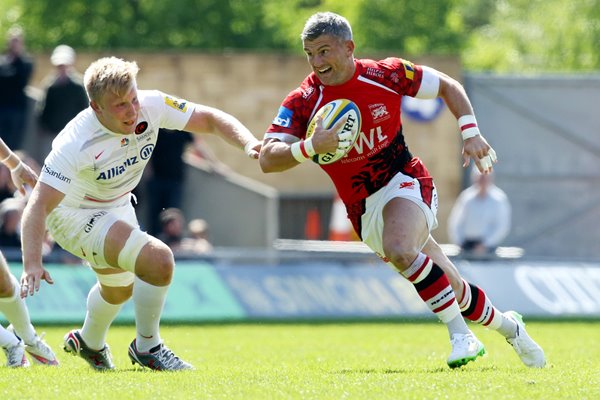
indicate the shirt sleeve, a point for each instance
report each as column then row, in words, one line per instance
column 59, row 171
column 291, row 120
column 175, row 112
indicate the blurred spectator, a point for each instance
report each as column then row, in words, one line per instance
column 198, row 241
column 16, row 69
column 173, row 233
column 166, row 176
column 11, row 210
column 64, row 97
column 172, row 223
column 481, row 217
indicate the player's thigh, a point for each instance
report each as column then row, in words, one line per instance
column 405, row 227
column 85, row 232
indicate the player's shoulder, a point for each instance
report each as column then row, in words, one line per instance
column 150, row 97
column 305, row 93
column 390, row 64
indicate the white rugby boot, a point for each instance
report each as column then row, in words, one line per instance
column 465, row 348
column 529, row 351
column 39, row 350
column 15, row 355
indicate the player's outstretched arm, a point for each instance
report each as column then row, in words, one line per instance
column 43, row 200
column 20, row 172
column 474, row 144
column 211, row 120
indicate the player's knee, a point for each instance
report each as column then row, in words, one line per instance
column 8, row 286
column 401, row 256
column 156, row 264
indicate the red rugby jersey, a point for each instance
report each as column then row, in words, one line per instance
column 379, row 152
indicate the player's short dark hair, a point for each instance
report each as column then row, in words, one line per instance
column 326, row 23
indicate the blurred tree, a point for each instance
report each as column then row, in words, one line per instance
column 537, row 35
column 490, row 35
column 408, row 27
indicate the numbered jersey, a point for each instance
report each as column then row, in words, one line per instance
column 97, row 168
column 379, row 152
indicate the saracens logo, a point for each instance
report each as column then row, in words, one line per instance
column 141, row 127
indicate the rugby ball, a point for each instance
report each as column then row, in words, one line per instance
column 332, row 112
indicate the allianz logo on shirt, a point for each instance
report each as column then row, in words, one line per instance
column 117, row 170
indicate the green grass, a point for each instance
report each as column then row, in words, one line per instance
column 324, row 361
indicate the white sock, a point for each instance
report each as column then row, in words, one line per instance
column 7, row 338
column 15, row 311
column 148, row 301
column 100, row 314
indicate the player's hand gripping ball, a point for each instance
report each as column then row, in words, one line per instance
column 331, row 113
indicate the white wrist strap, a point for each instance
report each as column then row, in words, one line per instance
column 17, row 167
column 468, row 126
column 303, row 150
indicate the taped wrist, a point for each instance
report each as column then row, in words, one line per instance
column 303, row 150
column 468, row 126
column 17, row 167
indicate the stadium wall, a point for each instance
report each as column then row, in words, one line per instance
column 272, row 287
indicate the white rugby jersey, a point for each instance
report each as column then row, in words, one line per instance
column 97, row 168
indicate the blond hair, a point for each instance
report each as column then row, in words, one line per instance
column 109, row 74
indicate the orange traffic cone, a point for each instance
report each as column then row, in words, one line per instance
column 340, row 227
column 312, row 227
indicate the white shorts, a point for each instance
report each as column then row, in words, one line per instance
column 82, row 231
column 399, row 186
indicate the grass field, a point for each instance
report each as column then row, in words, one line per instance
column 323, row 361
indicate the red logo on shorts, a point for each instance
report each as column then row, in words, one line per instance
column 407, row 185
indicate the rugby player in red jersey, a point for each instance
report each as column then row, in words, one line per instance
column 389, row 195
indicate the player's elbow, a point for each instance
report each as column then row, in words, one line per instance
column 267, row 166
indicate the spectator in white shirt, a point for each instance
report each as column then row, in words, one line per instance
column 481, row 217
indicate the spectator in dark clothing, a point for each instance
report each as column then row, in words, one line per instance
column 64, row 98
column 16, row 69
column 165, row 184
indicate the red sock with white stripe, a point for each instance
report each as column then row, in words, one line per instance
column 477, row 307
column 434, row 288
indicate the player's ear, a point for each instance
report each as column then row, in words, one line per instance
column 94, row 105
column 350, row 47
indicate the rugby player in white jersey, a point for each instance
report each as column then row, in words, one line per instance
column 84, row 199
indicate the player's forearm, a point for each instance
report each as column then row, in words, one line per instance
column 33, row 230
column 276, row 157
column 455, row 97
column 211, row 120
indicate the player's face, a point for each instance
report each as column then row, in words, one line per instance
column 118, row 113
column 331, row 59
